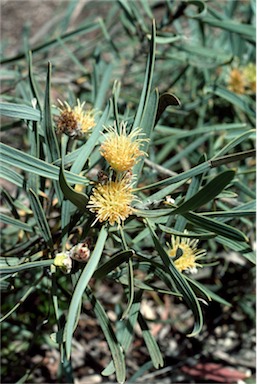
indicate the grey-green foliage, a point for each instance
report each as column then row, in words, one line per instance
column 173, row 84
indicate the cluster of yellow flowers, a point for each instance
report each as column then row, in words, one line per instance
column 243, row 80
column 111, row 200
column 112, row 197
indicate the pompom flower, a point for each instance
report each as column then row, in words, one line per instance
column 75, row 121
column 111, row 201
column 236, row 81
column 122, row 150
column 185, row 254
column 250, row 76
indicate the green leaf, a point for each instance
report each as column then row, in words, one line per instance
column 163, row 192
column 47, row 122
column 147, row 125
column 180, row 282
column 232, row 144
column 192, row 189
column 153, row 213
column 232, row 158
column 151, row 344
column 200, row 52
column 187, row 151
column 131, row 283
column 40, row 218
column 147, row 82
column 79, row 199
column 244, row 249
column 115, row 347
column 194, row 235
column 26, row 266
column 245, row 30
column 21, row 300
column 198, row 169
column 33, row 83
column 81, row 286
column 207, row 193
column 230, row 213
column 103, row 87
column 202, row 9
column 167, row 38
column 126, row 336
column 16, row 223
column 14, row 177
column 215, row 226
column 19, row 111
column 114, row 262
column 207, row 292
column 26, row 162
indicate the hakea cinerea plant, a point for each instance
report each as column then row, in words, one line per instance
column 184, row 252
column 75, row 122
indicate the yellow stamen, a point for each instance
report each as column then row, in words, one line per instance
column 122, row 151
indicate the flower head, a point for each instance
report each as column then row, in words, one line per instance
column 236, row 81
column 112, row 201
column 75, row 121
column 122, row 151
column 185, row 253
column 63, row 261
column 250, row 76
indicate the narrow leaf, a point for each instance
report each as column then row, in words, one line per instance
column 28, row 163
column 147, row 125
column 115, row 347
column 151, row 344
column 79, row 199
column 19, row 111
column 47, row 123
column 207, row 193
column 114, row 262
column 127, row 332
column 40, row 218
column 215, row 226
column 26, row 266
column 148, row 80
column 81, row 286
column 17, row 223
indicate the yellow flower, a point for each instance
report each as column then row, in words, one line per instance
column 250, row 76
column 236, row 81
column 122, row 151
column 185, row 253
column 112, row 201
column 75, row 121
